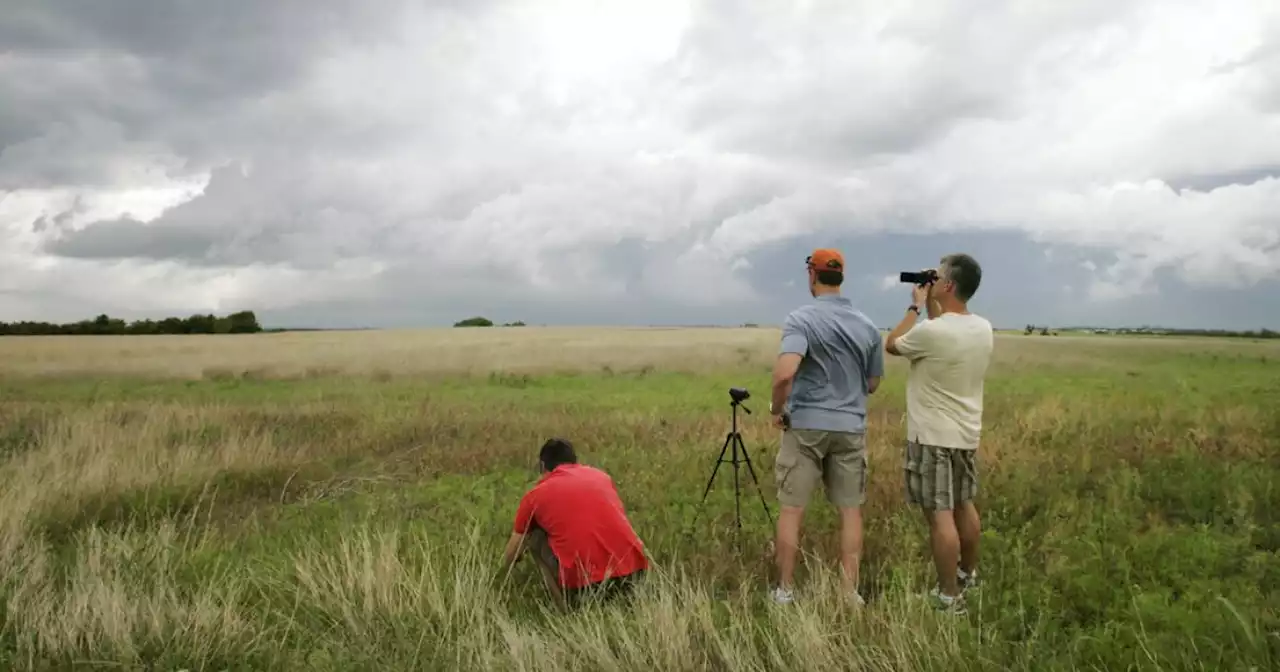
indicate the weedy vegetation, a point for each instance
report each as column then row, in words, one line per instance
column 338, row 501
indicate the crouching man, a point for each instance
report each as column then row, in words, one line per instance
column 574, row 525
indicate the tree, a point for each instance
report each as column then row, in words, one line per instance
column 474, row 322
column 201, row 324
column 173, row 325
column 243, row 322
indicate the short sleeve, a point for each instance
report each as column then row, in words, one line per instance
column 524, row 513
column 917, row 342
column 875, row 362
column 794, row 340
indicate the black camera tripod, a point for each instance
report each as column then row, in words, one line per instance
column 734, row 438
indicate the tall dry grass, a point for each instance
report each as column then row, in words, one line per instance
column 386, row 353
column 85, row 582
column 479, row 351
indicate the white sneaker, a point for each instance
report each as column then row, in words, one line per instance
column 855, row 598
column 947, row 604
column 968, row 582
column 782, row 595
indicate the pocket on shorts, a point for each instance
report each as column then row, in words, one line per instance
column 913, row 457
column 783, row 466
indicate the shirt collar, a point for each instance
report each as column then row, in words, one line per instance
column 558, row 470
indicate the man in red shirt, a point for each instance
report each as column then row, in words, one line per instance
column 577, row 529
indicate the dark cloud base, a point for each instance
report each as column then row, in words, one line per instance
column 1021, row 285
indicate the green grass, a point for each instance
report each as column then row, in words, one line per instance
column 345, row 519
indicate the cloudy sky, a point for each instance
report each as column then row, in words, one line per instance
column 402, row 162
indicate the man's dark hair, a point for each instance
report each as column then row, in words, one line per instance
column 831, row 278
column 963, row 270
column 556, row 452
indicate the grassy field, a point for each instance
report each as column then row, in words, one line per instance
column 338, row 501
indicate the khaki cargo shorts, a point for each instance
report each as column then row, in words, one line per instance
column 938, row 478
column 838, row 459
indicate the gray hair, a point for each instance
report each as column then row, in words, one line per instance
column 963, row 270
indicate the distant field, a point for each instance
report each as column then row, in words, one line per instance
column 338, row 501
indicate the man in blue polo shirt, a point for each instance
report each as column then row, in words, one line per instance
column 831, row 359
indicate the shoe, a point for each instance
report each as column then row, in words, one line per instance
column 946, row 604
column 968, row 582
column 855, row 599
column 782, row 595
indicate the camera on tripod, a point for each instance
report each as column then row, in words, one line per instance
column 739, row 394
column 919, row 277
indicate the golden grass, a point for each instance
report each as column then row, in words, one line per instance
column 509, row 349
column 391, row 352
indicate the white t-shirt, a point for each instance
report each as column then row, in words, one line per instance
column 949, row 356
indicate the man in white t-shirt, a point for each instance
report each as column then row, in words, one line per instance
column 949, row 354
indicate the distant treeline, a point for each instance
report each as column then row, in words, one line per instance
column 484, row 322
column 1261, row 333
column 243, row 322
column 1222, row 333
column 1163, row 331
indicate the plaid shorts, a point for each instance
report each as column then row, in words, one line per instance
column 938, row 478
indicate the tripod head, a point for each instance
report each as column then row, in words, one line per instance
column 739, row 395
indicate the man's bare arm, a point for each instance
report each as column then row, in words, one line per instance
column 512, row 552
column 908, row 321
column 784, row 372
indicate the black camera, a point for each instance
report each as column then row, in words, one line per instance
column 918, row 277
column 739, row 394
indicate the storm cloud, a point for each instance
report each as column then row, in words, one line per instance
column 399, row 163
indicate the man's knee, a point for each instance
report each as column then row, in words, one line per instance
column 539, row 545
column 536, row 537
column 939, row 516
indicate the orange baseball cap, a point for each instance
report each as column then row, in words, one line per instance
column 826, row 259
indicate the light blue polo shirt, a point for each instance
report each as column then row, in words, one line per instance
column 841, row 349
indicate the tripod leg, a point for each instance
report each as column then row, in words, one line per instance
column 737, row 491
column 720, row 460
column 752, row 471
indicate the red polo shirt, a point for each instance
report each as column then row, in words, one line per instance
column 579, row 509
